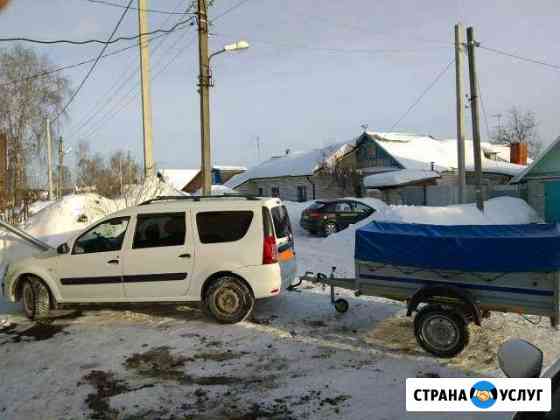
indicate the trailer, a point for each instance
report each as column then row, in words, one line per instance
column 450, row 276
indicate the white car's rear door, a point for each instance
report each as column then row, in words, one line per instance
column 159, row 261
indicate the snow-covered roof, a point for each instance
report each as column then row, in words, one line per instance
column 396, row 178
column 293, row 164
column 178, row 178
column 419, row 152
column 230, row 168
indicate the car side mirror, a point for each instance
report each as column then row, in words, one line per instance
column 63, row 248
column 520, row 359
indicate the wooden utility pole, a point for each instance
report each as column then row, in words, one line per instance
column 49, row 160
column 145, row 79
column 204, row 84
column 471, row 45
column 460, row 92
column 3, row 171
column 60, row 168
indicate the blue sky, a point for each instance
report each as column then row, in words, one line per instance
column 316, row 71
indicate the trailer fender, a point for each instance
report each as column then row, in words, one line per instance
column 425, row 293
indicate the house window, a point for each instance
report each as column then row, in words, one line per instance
column 301, row 193
column 275, row 191
column 260, row 192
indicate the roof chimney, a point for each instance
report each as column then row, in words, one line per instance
column 518, row 153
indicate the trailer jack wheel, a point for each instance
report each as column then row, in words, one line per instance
column 440, row 331
column 341, row 305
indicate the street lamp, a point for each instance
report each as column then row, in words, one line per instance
column 205, row 83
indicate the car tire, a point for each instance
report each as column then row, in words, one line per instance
column 229, row 300
column 35, row 299
column 441, row 332
column 329, row 229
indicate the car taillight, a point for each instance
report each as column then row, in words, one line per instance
column 270, row 250
column 314, row 215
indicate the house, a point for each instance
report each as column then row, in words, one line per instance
column 295, row 176
column 190, row 180
column 380, row 161
column 541, row 180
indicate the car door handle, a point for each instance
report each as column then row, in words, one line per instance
column 113, row 262
column 187, row 255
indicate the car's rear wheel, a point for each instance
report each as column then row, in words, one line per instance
column 229, row 300
column 329, row 229
column 35, row 299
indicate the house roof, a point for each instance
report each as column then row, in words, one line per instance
column 536, row 162
column 419, row 152
column 292, row 164
column 400, row 177
column 178, row 178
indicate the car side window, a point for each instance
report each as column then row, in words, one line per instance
column 105, row 237
column 158, row 230
column 343, row 207
column 362, row 208
column 223, row 226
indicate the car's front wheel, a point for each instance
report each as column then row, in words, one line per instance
column 229, row 300
column 35, row 299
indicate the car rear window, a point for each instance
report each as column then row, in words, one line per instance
column 223, row 226
column 316, row 205
column 281, row 222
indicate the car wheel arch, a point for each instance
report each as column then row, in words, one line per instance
column 18, row 286
column 216, row 276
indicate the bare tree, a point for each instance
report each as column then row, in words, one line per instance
column 520, row 127
column 26, row 100
column 345, row 177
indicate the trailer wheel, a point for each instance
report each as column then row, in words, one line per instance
column 440, row 331
column 341, row 305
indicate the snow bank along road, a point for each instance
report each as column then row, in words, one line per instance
column 296, row 358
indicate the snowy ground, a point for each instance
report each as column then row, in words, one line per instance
column 296, row 358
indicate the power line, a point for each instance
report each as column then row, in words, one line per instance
column 430, row 86
column 97, row 41
column 75, row 65
column 229, row 10
column 119, row 85
column 162, row 12
column 90, row 71
column 529, row 60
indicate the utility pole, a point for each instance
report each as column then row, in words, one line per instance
column 149, row 169
column 204, row 83
column 49, row 160
column 471, row 45
column 60, row 168
column 3, row 171
column 460, row 92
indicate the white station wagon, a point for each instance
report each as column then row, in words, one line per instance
column 224, row 252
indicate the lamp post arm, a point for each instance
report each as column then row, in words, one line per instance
column 223, row 50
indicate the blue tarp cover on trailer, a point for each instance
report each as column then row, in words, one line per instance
column 485, row 248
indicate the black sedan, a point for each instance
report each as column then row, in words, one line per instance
column 327, row 217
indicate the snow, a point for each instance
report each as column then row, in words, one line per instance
column 396, row 178
column 178, row 178
column 421, row 152
column 292, row 164
column 219, row 190
column 37, row 206
column 230, row 168
column 296, row 357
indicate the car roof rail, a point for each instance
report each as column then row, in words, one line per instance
column 197, row 197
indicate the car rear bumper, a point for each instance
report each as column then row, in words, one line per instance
column 310, row 225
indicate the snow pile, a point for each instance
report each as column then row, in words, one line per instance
column 218, row 190
column 151, row 188
column 178, row 178
column 394, row 178
column 37, row 206
column 338, row 249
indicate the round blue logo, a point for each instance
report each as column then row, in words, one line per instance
column 483, row 394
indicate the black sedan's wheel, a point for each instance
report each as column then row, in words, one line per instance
column 440, row 331
column 35, row 299
column 229, row 300
column 329, row 229
column 341, row 305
